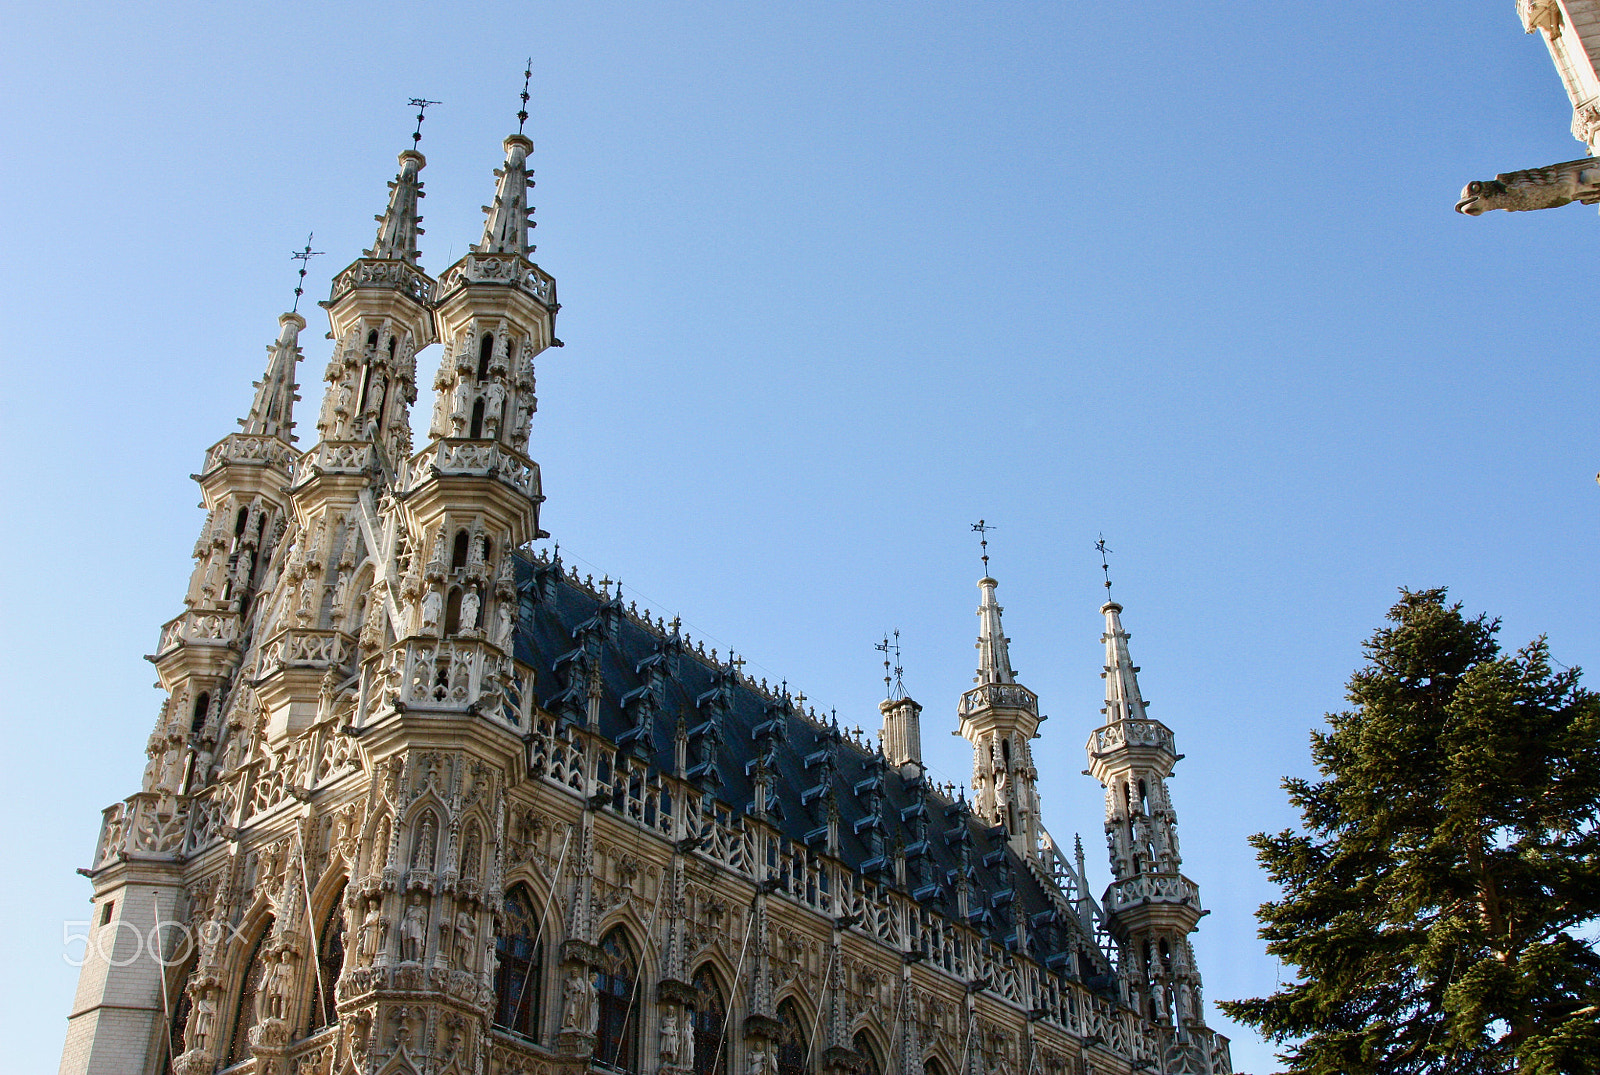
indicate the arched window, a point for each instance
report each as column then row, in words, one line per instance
column 519, row 955
column 710, row 1016
column 458, row 552
column 477, row 421
column 239, row 523
column 244, row 1013
column 617, row 1033
column 793, row 1041
column 871, row 1063
column 330, row 962
column 198, row 719
column 452, row 611
column 485, row 351
column 178, row 1017
column 931, row 1066
column 372, row 339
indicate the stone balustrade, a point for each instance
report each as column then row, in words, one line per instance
column 252, row 449
column 476, row 458
column 1013, row 695
column 478, row 268
column 1136, row 733
column 390, row 273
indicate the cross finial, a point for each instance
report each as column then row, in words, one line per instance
column 422, row 107
column 894, row 687
column 527, row 75
column 1105, row 565
column 736, row 663
column 983, row 529
column 605, row 586
column 304, row 258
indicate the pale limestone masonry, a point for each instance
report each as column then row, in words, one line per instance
column 1571, row 28
column 420, row 802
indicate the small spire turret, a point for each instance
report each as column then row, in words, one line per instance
column 509, row 218
column 1151, row 907
column 1000, row 717
column 1123, row 700
column 400, row 224
column 994, row 656
column 270, row 413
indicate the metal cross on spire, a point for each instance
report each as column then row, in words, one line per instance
column 527, row 76
column 304, row 258
column 422, row 107
column 1105, row 565
column 893, row 686
column 983, row 529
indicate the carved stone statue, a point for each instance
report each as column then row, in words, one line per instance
column 578, row 1007
column 414, row 930
column 759, row 1061
column 203, row 1018
column 466, row 934
column 494, row 398
column 1534, row 188
column 371, row 932
column 669, row 1039
column 469, row 609
column 503, row 625
column 432, row 608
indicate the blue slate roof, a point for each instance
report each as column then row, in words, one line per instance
column 651, row 680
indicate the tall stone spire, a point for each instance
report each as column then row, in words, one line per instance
column 1000, row 717
column 994, row 658
column 399, row 224
column 1123, row 700
column 271, row 412
column 1151, row 907
column 506, row 229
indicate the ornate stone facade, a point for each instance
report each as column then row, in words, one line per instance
column 418, row 801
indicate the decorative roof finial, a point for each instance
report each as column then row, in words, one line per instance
column 422, row 107
column 304, row 258
column 527, row 75
column 893, row 687
column 1105, row 566
column 983, row 529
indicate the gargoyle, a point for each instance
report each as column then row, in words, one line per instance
column 1535, row 188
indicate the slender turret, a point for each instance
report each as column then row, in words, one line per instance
column 1151, row 907
column 1000, row 717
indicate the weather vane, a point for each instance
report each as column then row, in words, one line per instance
column 304, row 258
column 422, row 107
column 983, row 528
column 527, row 76
column 1105, row 565
column 899, row 689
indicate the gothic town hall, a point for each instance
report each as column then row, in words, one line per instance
column 419, row 802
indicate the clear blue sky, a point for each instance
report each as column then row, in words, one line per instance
column 838, row 279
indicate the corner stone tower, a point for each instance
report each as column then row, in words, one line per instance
column 1151, row 908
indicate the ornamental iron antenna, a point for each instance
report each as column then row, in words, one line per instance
column 983, row 529
column 304, row 258
column 893, row 686
column 1105, row 565
column 527, row 75
column 422, row 108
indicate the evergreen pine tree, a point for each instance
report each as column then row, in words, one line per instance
column 1441, row 907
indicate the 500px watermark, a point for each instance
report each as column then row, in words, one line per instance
column 123, row 943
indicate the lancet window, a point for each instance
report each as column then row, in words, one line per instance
column 871, row 1064
column 330, row 962
column 245, row 1013
column 617, row 1033
column 792, row 1041
column 519, row 954
column 710, row 1016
